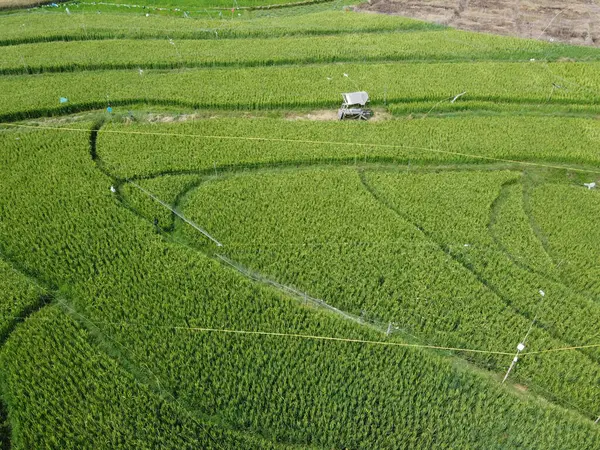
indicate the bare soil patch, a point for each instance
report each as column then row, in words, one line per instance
column 521, row 387
column 324, row 114
column 379, row 114
column 573, row 21
column 10, row 4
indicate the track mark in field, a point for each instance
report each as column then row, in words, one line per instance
column 517, row 18
column 528, row 188
column 460, row 9
column 9, row 325
column 142, row 374
column 94, row 143
column 22, row 315
column 43, row 299
column 4, row 428
column 180, row 199
column 482, row 280
column 301, row 296
column 515, row 259
column 495, row 208
column 230, row 170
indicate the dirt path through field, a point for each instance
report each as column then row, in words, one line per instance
column 573, row 21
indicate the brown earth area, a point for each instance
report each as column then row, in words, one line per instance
column 569, row 21
column 379, row 114
column 9, row 4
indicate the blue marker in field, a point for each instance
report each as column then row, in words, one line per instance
column 109, row 109
column 63, row 100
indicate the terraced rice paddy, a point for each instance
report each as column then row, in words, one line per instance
column 185, row 263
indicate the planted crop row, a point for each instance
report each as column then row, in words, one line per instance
column 433, row 108
column 416, row 46
column 136, row 287
column 308, row 86
column 168, row 148
column 45, row 27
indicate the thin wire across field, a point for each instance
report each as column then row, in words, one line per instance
column 315, row 142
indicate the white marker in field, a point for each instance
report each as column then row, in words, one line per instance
column 520, row 348
column 521, row 345
column 458, row 96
